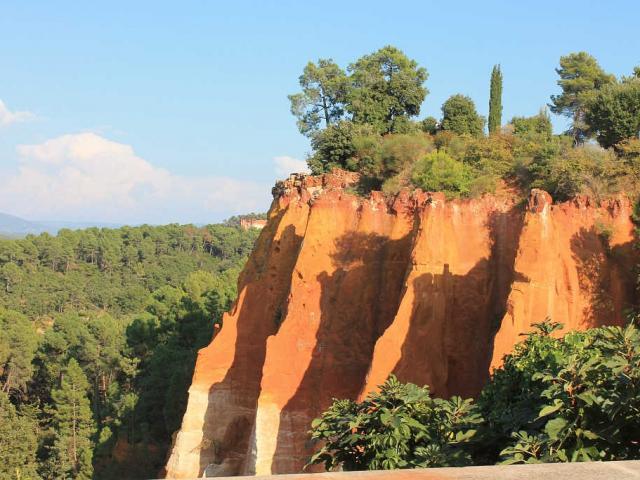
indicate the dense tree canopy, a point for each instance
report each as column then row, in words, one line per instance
column 18, row 345
column 72, row 424
column 18, row 441
column 99, row 330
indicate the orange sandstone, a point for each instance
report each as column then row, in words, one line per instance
column 342, row 291
column 574, row 265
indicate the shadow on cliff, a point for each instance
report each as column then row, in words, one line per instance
column 358, row 302
column 606, row 274
column 455, row 317
column 231, row 408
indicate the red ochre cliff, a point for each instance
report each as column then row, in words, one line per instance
column 342, row 291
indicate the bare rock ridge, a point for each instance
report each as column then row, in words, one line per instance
column 341, row 291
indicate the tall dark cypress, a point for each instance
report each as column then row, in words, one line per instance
column 495, row 100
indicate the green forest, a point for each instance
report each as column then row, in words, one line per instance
column 99, row 330
column 366, row 119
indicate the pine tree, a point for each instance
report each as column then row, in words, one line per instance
column 73, row 426
column 495, row 100
column 18, row 442
column 580, row 79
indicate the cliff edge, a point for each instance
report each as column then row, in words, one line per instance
column 342, row 290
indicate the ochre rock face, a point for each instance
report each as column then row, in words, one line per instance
column 575, row 265
column 342, row 291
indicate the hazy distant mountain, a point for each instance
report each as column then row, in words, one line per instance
column 12, row 226
column 52, row 226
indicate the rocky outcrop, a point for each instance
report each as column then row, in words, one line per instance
column 342, row 291
column 575, row 265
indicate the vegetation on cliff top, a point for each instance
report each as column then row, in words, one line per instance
column 99, row 330
column 575, row 398
column 364, row 120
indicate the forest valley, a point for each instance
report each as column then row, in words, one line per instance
column 99, row 329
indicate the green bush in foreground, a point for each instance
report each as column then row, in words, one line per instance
column 575, row 398
column 400, row 427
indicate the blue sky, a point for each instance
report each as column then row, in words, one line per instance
column 175, row 111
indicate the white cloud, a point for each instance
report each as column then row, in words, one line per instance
column 7, row 117
column 285, row 165
column 85, row 176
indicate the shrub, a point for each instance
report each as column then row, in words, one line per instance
column 438, row 172
column 530, row 156
column 536, row 127
column 366, row 158
column 401, row 151
column 399, row 427
column 429, row 125
column 483, row 183
column 393, row 185
column 570, row 399
column 402, row 125
column 554, row 399
column 335, row 147
column 629, row 148
column 381, row 159
column 443, row 138
column 490, row 155
column 454, row 145
column 586, row 169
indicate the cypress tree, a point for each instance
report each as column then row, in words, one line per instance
column 495, row 100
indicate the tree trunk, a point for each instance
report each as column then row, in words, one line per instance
column 74, row 444
column 326, row 110
column 5, row 387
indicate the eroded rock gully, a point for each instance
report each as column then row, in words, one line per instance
column 341, row 291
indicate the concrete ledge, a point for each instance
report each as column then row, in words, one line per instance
column 549, row 471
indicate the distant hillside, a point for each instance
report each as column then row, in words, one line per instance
column 12, row 226
column 53, row 226
column 15, row 226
